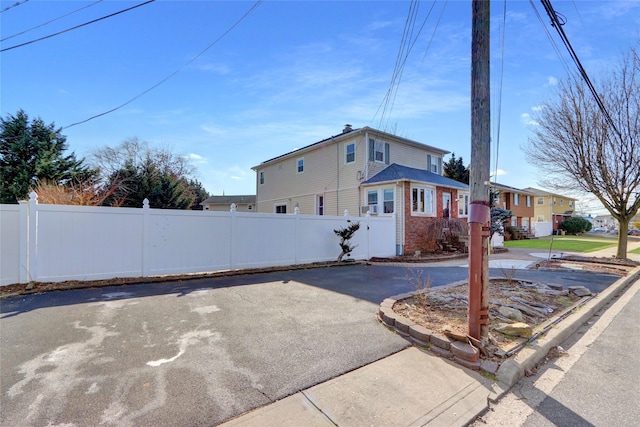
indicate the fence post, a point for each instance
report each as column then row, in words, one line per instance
column 368, row 221
column 232, row 230
column 23, row 241
column 32, row 238
column 296, row 234
column 145, row 237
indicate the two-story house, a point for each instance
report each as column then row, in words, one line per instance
column 363, row 171
column 519, row 202
column 244, row 203
column 551, row 207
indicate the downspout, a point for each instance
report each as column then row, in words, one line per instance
column 402, row 219
column 366, row 155
column 337, row 179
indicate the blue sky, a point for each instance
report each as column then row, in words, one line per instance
column 292, row 73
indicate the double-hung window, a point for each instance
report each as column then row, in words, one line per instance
column 300, row 165
column 434, row 164
column 350, row 153
column 516, row 199
column 378, row 151
column 528, row 201
column 261, row 177
column 372, row 201
column 463, row 205
column 388, row 200
column 422, row 200
column 386, row 195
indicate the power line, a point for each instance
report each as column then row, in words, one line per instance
column 77, row 26
column 504, row 30
column 16, row 4
column 247, row 13
column 49, row 22
column 551, row 40
column 407, row 43
column 557, row 24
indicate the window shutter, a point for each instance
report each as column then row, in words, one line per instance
column 386, row 153
column 439, row 165
column 429, row 162
column 372, row 150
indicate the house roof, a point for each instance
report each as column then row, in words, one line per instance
column 348, row 133
column 396, row 172
column 511, row 189
column 227, row 200
column 539, row 192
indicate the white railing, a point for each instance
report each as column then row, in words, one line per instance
column 51, row 243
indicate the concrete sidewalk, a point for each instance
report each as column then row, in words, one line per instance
column 409, row 388
column 414, row 387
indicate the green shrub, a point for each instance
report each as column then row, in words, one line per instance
column 575, row 225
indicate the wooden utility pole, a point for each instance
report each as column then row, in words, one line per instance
column 479, row 214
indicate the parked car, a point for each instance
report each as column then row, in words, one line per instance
column 598, row 230
column 634, row 232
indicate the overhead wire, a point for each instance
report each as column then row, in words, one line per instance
column 499, row 103
column 404, row 51
column 557, row 24
column 551, row 39
column 77, row 26
column 50, row 21
column 236, row 23
column 16, row 4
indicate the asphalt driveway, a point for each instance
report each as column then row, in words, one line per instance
column 201, row 351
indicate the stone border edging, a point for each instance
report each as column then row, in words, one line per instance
column 513, row 368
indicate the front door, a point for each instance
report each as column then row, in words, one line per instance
column 446, row 205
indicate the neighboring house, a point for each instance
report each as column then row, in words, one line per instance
column 606, row 221
column 519, row 202
column 359, row 171
column 223, row 203
column 551, row 207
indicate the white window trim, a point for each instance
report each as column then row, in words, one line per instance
column 286, row 207
column 346, row 162
column 432, row 212
column 300, row 159
column 379, row 192
column 516, row 199
column 377, row 144
column 393, row 194
column 463, row 202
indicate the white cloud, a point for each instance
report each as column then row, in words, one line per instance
column 196, row 158
column 538, row 108
column 526, row 119
column 498, row 172
column 552, row 81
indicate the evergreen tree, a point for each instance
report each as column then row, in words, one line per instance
column 32, row 152
column 140, row 172
column 456, row 170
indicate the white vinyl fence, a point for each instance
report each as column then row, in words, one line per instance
column 541, row 229
column 52, row 243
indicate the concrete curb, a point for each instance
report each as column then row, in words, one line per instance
column 512, row 369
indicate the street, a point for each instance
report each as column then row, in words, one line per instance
column 199, row 352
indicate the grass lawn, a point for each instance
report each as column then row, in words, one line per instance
column 635, row 251
column 564, row 243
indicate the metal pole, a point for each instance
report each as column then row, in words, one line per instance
column 479, row 173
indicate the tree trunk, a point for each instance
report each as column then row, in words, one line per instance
column 623, row 229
